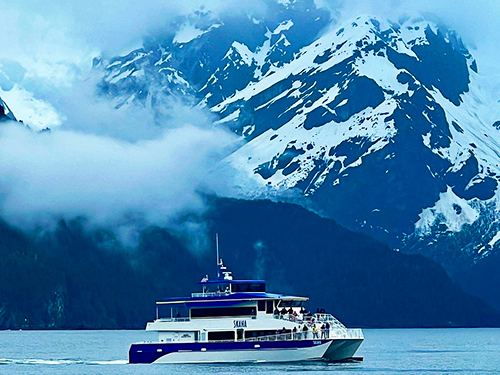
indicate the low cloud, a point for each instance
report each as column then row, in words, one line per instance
column 475, row 21
column 122, row 169
column 114, row 183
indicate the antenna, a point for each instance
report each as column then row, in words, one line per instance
column 217, row 247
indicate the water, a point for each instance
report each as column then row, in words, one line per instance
column 392, row 351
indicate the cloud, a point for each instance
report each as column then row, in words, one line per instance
column 48, row 46
column 122, row 168
column 475, row 21
column 114, row 183
column 57, row 39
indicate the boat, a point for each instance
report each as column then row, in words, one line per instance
column 239, row 321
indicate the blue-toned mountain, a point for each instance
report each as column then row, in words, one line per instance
column 385, row 126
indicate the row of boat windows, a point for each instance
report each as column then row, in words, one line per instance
column 230, row 335
column 223, row 311
column 269, row 307
column 236, row 288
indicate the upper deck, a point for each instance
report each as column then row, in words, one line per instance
column 225, row 291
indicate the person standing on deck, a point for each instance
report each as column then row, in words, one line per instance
column 315, row 332
column 323, row 331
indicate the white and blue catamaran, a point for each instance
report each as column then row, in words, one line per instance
column 238, row 321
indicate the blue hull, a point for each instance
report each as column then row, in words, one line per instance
column 150, row 352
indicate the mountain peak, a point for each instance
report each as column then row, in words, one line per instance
column 382, row 125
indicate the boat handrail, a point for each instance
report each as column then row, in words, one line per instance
column 210, row 294
column 181, row 319
column 206, row 294
column 311, row 319
column 323, row 318
column 336, row 333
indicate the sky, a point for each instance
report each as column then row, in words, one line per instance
column 110, row 165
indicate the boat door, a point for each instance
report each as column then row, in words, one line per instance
column 239, row 334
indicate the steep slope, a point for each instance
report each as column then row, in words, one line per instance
column 207, row 54
column 75, row 278
column 385, row 127
column 362, row 281
column 481, row 280
column 5, row 112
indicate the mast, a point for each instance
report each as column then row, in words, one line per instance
column 217, row 247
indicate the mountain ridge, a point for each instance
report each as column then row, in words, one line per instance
column 75, row 278
column 381, row 125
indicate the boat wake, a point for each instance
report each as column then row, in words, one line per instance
column 52, row 362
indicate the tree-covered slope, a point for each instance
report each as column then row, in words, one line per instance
column 75, row 278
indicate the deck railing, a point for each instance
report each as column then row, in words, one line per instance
column 207, row 294
column 338, row 333
column 181, row 319
column 311, row 319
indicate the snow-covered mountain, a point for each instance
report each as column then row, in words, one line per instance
column 5, row 112
column 384, row 126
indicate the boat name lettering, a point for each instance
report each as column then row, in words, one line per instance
column 240, row 323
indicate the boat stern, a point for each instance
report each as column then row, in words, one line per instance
column 344, row 345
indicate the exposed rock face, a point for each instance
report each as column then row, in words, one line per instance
column 5, row 112
column 382, row 125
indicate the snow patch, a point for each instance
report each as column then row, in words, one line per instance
column 35, row 113
column 284, row 26
column 444, row 212
column 247, row 56
column 189, row 32
column 231, row 117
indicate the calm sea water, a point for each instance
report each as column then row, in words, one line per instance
column 391, row 351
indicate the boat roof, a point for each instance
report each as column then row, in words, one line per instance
column 223, row 299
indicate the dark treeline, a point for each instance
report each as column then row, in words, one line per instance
column 74, row 278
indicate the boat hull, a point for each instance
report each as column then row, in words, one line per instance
column 340, row 350
column 256, row 351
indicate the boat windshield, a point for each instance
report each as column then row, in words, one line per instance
column 291, row 303
column 249, row 287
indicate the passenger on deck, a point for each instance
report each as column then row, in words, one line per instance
column 305, row 331
column 283, row 334
column 327, row 330
column 315, row 331
column 294, row 333
column 323, row 331
column 307, row 315
column 276, row 312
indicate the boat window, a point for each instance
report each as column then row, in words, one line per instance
column 221, row 335
column 262, row 305
column 222, row 311
column 222, row 288
column 252, row 334
column 249, row 287
column 269, row 307
column 178, row 312
column 291, row 303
